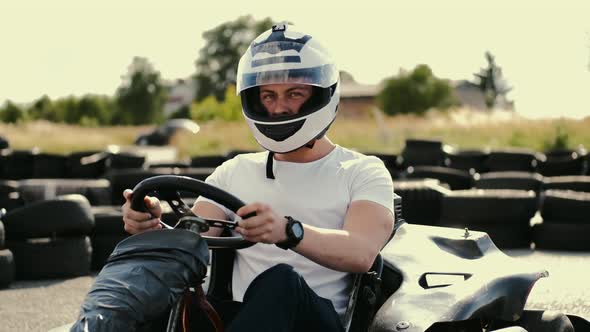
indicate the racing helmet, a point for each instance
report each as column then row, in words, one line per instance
column 282, row 55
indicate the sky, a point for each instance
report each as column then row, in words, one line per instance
column 75, row 47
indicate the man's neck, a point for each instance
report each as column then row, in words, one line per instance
column 320, row 149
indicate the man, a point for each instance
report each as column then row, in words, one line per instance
column 322, row 212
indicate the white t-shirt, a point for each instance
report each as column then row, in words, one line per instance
column 317, row 193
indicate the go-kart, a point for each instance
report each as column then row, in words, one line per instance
column 425, row 279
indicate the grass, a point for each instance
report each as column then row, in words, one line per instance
column 373, row 133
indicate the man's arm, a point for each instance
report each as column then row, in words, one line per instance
column 209, row 210
column 367, row 228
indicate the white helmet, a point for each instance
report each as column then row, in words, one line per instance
column 281, row 55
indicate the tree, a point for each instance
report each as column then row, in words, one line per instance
column 491, row 83
column 42, row 109
column 218, row 59
column 141, row 97
column 11, row 113
column 415, row 92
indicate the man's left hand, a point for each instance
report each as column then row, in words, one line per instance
column 266, row 227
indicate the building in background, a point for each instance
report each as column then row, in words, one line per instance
column 179, row 93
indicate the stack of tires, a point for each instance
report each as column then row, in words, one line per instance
column 49, row 239
column 97, row 191
column 421, row 200
column 421, row 152
column 504, row 214
column 514, row 159
column 566, row 221
column 107, row 233
column 473, row 161
column 9, row 195
column 563, row 162
column 456, row 179
column 6, row 258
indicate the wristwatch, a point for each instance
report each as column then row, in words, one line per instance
column 294, row 230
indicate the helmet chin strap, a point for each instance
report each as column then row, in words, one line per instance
column 269, row 160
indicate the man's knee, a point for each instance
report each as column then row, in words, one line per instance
column 278, row 280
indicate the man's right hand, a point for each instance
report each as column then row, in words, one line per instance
column 138, row 222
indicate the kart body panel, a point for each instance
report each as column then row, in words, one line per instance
column 478, row 280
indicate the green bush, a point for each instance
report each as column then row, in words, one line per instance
column 415, row 92
column 230, row 109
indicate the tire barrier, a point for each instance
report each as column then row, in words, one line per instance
column 566, row 206
column 504, row 214
column 572, row 164
column 11, row 201
column 98, row 192
column 523, row 160
column 108, row 232
column 7, row 268
column 18, row 164
column 87, row 164
column 64, row 216
column 55, row 257
column 49, row 166
column 2, row 233
column 7, row 187
column 473, row 161
column 125, row 160
column 420, row 152
column 509, row 180
column 207, row 161
column 553, row 235
column 127, row 179
column 170, row 165
column 456, row 179
column 421, row 200
column 575, row 183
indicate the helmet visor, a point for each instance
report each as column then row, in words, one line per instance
column 322, row 76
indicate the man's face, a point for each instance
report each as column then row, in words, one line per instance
column 284, row 99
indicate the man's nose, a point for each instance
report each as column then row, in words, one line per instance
column 281, row 108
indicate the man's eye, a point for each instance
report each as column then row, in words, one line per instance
column 267, row 97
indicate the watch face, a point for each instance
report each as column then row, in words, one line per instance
column 297, row 230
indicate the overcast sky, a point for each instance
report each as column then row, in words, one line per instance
column 64, row 47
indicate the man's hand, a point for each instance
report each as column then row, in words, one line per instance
column 138, row 222
column 266, row 227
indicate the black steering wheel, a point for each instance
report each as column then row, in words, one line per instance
column 167, row 187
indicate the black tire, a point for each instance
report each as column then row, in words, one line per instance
column 127, row 179
column 207, row 161
column 509, row 180
column 98, row 192
column 108, row 220
column 421, row 200
column 569, row 206
column 488, row 206
column 556, row 235
column 102, row 247
column 422, row 152
column 560, row 166
column 523, row 160
column 508, row 235
column 66, row 215
column 2, row 235
column 80, row 168
column 13, row 201
column 7, row 268
column 575, row 183
column 468, row 160
column 18, row 164
column 51, row 258
column 49, row 166
column 545, row 321
column 455, row 178
column 125, row 160
column 7, row 187
column 170, row 165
